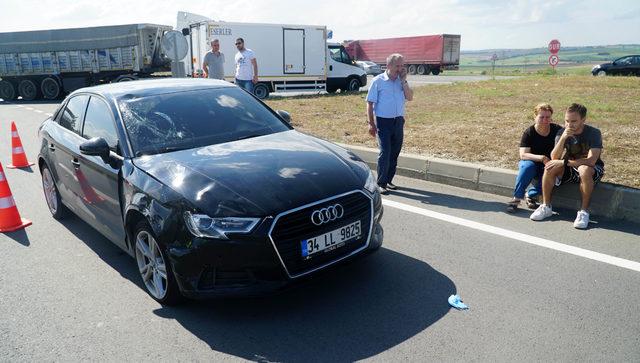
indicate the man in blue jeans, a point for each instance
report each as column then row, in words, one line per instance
column 246, row 67
column 535, row 152
column 386, row 99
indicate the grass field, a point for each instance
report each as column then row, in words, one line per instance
column 482, row 122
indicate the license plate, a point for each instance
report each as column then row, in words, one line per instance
column 331, row 240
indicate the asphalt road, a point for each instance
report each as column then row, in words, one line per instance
column 66, row 293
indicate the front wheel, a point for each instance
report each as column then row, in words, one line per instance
column 154, row 267
column 601, row 73
column 435, row 71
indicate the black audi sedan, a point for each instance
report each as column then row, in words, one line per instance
column 211, row 191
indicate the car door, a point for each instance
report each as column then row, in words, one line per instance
column 64, row 148
column 622, row 66
column 99, row 181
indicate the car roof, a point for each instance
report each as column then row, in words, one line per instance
column 151, row 87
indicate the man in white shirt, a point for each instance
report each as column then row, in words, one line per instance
column 246, row 67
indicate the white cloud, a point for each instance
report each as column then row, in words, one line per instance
column 482, row 24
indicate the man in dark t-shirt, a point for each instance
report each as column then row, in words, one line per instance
column 576, row 159
column 535, row 151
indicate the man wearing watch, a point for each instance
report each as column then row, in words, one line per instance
column 575, row 159
column 385, row 100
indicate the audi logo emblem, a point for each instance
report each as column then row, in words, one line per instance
column 328, row 214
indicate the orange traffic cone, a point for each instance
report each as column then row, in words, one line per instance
column 9, row 217
column 18, row 157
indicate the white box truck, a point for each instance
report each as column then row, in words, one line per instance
column 290, row 57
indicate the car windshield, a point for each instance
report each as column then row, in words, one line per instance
column 190, row 119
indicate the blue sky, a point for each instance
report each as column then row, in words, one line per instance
column 482, row 24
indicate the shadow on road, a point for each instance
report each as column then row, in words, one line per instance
column 19, row 236
column 353, row 312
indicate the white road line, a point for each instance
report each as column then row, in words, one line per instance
column 49, row 114
column 39, row 111
column 29, row 108
column 577, row 251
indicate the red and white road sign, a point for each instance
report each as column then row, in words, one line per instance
column 553, row 60
column 554, row 46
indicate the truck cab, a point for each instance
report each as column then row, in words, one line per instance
column 343, row 73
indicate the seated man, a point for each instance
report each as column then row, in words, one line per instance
column 581, row 145
column 535, row 151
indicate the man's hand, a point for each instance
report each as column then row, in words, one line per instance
column 552, row 164
column 372, row 130
column 403, row 74
column 567, row 132
column 255, row 79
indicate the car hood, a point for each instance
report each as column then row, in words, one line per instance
column 260, row 176
column 605, row 65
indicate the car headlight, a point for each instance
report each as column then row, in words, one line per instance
column 371, row 185
column 595, row 67
column 201, row 225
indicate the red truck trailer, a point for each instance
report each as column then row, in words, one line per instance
column 422, row 54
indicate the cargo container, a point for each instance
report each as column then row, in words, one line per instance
column 422, row 54
column 48, row 63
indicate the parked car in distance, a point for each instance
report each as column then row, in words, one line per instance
column 370, row 67
column 626, row 66
column 211, row 191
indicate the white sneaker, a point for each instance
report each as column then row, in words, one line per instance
column 582, row 219
column 544, row 211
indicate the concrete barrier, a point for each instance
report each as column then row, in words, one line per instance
column 611, row 201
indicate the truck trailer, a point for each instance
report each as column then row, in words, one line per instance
column 49, row 63
column 422, row 54
column 290, row 57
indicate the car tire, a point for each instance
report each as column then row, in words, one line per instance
column 261, row 91
column 435, row 71
column 50, row 88
column 353, row 85
column 422, row 69
column 601, row 73
column 412, row 69
column 28, row 90
column 7, row 91
column 154, row 266
column 51, row 195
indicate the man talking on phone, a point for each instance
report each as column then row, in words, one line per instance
column 385, row 100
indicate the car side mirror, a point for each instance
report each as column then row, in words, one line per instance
column 96, row 146
column 185, row 31
column 284, row 115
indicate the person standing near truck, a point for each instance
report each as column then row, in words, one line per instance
column 246, row 67
column 386, row 98
column 213, row 63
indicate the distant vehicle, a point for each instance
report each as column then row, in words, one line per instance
column 626, row 66
column 49, row 63
column 210, row 190
column 370, row 67
column 422, row 54
column 290, row 57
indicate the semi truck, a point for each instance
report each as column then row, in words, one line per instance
column 290, row 57
column 48, row 63
column 422, row 54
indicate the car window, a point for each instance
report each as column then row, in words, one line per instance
column 624, row 61
column 71, row 117
column 99, row 123
column 190, row 119
column 336, row 54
